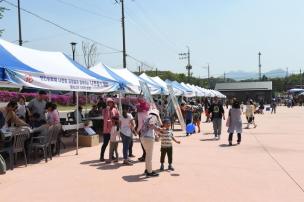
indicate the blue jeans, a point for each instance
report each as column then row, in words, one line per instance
column 126, row 141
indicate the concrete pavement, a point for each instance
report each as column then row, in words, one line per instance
column 268, row 166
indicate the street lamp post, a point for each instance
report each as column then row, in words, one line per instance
column 73, row 45
column 19, row 25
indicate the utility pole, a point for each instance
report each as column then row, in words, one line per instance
column 224, row 77
column 156, row 72
column 183, row 56
column 19, row 25
column 260, row 66
column 301, row 77
column 208, row 76
column 139, row 70
column 124, row 53
column 208, row 68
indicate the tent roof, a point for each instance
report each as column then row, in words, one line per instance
column 148, row 79
column 179, row 86
column 128, row 80
column 21, row 58
column 16, row 62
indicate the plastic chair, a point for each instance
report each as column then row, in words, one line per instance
column 54, row 139
column 43, row 142
column 20, row 135
column 7, row 148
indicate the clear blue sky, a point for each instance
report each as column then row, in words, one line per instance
column 226, row 33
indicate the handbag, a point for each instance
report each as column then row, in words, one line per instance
column 228, row 120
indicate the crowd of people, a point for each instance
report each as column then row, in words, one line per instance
column 140, row 120
column 38, row 112
column 143, row 122
column 35, row 119
column 214, row 110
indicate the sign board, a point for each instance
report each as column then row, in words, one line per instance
column 57, row 82
column 176, row 107
column 147, row 94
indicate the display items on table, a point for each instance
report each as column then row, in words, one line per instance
column 88, row 140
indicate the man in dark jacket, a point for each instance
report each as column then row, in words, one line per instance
column 217, row 113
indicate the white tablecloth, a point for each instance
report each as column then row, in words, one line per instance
column 72, row 127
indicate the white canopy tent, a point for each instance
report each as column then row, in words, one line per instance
column 148, row 79
column 48, row 70
column 129, row 82
column 193, row 92
column 23, row 66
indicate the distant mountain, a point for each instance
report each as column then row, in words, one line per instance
column 277, row 73
column 241, row 75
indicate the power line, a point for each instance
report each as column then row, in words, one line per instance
column 103, row 53
column 161, row 34
column 147, row 33
column 148, row 29
column 87, row 10
column 76, row 34
column 61, row 27
column 137, row 60
column 140, row 27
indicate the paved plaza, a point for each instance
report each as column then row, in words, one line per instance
column 267, row 167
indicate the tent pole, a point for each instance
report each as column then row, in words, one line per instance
column 50, row 96
column 77, row 128
column 86, row 109
column 120, row 104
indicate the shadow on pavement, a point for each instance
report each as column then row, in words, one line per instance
column 182, row 135
column 211, row 139
column 227, row 145
column 106, row 165
column 90, row 162
column 135, row 178
column 209, row 133
column 109, row 166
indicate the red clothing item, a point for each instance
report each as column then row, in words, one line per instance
column 108, row 114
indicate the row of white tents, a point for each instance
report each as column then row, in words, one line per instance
column 21, row 66
column 131, row 83
column 25, row 67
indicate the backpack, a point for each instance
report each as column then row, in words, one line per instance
column 2, row 165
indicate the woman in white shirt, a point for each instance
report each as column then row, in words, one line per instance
column 250, row 114
column 21, row 110
column 126, row 130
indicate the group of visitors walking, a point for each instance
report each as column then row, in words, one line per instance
column 149, row 128
column 215, row 112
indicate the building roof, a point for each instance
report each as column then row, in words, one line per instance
column 244, row 86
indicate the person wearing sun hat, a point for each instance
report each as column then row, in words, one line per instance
column 109, row 113
column 149, row 132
